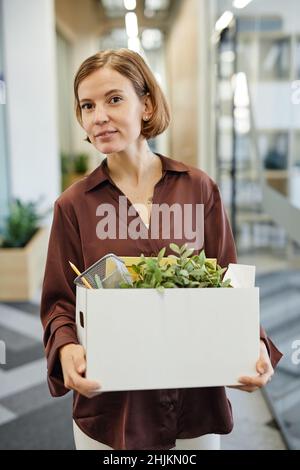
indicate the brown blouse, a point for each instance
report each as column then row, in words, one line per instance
column 150, row 419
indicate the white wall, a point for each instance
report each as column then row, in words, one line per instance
column 205, row 83
column 29, row 38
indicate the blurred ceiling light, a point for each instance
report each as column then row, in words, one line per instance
column 241, row 113
column 224, row 21
column 115, row 39
column 240, row 3
column 151, row 7
column 134, row 44
column 149, row 13
column 227, row 56
column 241, row 93
column 152, row 39
column 242, row 120
column 130, row 4
column 113, row 4
column 157, row 4
column 131, row 23
column 113, row 8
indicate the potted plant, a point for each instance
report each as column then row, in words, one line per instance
column 65, row 168
column 179, row 270
column 81, row 163
column 77, row 169
column 23, row 248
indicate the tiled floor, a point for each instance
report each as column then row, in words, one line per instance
column 254, row 425
column 31, row 419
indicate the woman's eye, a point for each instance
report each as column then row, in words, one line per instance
column 115, row 98
column 86, row 106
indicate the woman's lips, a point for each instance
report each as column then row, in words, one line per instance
column 106, row 135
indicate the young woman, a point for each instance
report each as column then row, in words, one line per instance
column 120, row 106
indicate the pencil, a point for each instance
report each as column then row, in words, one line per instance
column 85, row 282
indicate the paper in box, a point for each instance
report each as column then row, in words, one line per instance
column 141, row 339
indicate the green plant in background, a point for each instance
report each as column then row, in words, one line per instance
column 187, row 271
column 65, row 163
column 21, row 224
column 65, row 168
column 81, row 163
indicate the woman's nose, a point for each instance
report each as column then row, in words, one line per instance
column 100, row 115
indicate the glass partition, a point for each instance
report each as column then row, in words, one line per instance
column 258, row 159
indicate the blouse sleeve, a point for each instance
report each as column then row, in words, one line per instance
column 58, row 300
column 218, row 238
column 219, row 244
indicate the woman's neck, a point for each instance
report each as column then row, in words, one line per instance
column 133, row 166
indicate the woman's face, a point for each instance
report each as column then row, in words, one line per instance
column 111, row 110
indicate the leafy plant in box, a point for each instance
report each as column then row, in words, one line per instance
column 183, row 270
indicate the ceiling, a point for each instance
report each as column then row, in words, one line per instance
column 150, row 13
column 106, row 18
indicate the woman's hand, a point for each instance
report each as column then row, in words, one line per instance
column 263, row 367
column 73, row 363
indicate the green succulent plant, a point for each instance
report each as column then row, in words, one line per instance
column 21, row 224
column 187, row 270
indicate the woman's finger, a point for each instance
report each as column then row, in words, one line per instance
column 84, row 386
column 79, row 363
column 67, row 368
column 248, row 388
column 258, row 381
column 264, row 366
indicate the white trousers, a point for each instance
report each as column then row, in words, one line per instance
column 207, row 442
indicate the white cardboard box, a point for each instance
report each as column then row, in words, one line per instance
column 140, row 339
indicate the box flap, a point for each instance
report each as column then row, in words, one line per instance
column 241, row 275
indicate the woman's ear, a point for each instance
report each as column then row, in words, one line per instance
column 148, row 105
column 147, row 108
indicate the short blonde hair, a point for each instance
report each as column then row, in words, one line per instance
column 132, row 66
